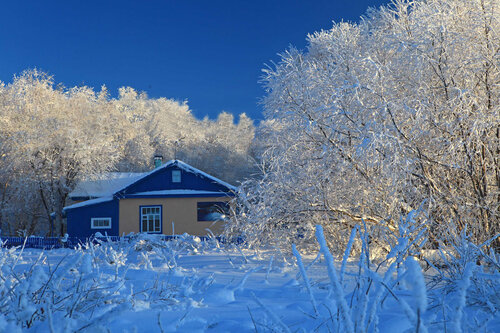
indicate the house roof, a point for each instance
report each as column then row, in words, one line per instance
column 105, row 185
column 181, row 165
column 89, row 202
column 115, row 184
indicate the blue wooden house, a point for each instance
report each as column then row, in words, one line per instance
column 173, row 198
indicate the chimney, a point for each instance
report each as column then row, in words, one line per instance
column 158, row 159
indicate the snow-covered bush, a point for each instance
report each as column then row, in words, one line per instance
column 86, row 288
column 466, row 299
column 185, row 284
column 461, row 265
column 65, row 295
column 372, row 119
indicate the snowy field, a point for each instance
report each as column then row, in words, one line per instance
column 186, row 285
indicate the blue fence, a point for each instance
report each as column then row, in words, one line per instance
column 40, row 242
column 48, row 243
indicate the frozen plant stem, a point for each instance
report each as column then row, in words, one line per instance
column 241, row 252
column 159, row 323
column 460, row 298
column 347, row 253
column 306, row 279
column 269, row 268
column 244, row 280
column 271, row 314
column 332, row 273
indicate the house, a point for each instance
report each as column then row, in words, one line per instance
column 172, row 198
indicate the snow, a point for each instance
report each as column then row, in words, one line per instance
column 185, row 285
column 105, row 185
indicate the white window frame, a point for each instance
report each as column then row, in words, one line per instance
column 146, row 215
column 176, row 176
column 94, row 219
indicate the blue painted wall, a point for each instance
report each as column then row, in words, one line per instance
column 162, row 180
column 78, row 219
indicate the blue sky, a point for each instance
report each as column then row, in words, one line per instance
column 210, row 53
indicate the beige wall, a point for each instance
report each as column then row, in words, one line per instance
column 181, row 211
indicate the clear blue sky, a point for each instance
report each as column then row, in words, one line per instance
column 210, row 53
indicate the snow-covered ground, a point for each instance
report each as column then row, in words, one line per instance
column 191, row 286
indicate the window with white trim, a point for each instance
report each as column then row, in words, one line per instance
column 176, row 176
column 151, row 219
column 100, row 223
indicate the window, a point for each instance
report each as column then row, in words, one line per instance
column 151, row 219
column 100, row 223
column 176, row 176
column 212, row 211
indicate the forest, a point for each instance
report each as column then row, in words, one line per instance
column 372, row 121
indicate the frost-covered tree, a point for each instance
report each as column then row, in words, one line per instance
column 60, row 137
column 6, row 161
column 223, row 147
column 377, row 117
column 167, row 127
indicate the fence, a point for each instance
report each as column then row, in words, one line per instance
column 48, row 243
column 40, row 242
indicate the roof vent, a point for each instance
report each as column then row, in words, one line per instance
column 158, row 159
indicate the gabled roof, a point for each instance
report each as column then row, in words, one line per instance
column 181, row 165
column 116, row 185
